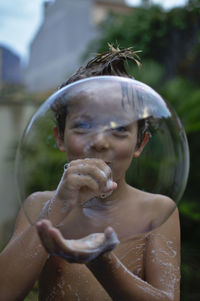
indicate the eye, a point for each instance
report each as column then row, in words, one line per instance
column 83, row 125
column 120, row 131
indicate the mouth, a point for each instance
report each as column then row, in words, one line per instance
column 108, row 162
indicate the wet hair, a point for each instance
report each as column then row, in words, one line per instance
column 108, row 63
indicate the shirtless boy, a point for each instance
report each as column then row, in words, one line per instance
column 92, row 210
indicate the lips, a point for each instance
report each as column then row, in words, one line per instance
column 108, row 162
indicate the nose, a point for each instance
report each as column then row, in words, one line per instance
column 100, row 141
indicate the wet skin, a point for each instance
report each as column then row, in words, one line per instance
column 99, row 156
column 61, row 280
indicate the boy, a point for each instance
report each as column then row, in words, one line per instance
column 92, row 196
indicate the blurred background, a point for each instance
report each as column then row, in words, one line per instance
column 43, row 42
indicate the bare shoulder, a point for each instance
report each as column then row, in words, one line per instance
column 37, row 199
column 31, row 209
column 163, row 207
column 152, row 199
column 163, row 213
column 156, row 206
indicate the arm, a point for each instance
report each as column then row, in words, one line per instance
column 24, row 257
column 162, row 274
column 21, row 261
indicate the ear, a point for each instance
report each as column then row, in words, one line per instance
column 58, row 138
column 139, row 150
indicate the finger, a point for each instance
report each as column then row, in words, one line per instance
column 111, row 236
column 93, row 162
column 47, row 234
column 78, row 181
column 89, row 170
column 90, row 247
column 56, row 245
column 103, row 180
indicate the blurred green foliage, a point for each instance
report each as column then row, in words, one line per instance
column 40, row 163
column 170, row 44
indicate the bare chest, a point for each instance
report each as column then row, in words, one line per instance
column 124, row 220
column 63, row 281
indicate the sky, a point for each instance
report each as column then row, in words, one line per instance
column 20, row 20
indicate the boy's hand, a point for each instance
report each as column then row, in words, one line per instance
column 84, row 179
column 81, row 181
column 76, row 251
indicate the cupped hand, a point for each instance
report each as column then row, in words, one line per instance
column 81, row 250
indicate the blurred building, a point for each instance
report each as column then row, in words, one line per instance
column 68, row 27
column 10, row 67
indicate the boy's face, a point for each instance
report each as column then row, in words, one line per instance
column 101, row 127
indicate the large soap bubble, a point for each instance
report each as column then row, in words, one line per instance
column 108, row 107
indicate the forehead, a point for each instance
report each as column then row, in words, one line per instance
column 107, row 102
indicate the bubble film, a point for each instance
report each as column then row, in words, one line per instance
column 120, row 121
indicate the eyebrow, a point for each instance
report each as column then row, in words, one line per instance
column 114, row 121
column 81, row 117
